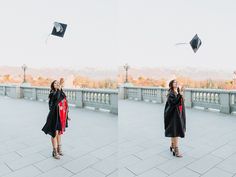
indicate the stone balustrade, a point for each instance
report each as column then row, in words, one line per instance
column 98, row 99
column 215, row 99
column 105, row 99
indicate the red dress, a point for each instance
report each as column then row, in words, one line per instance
column 63, row 111
column 181, row 106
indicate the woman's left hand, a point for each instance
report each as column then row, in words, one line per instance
column 181, row 90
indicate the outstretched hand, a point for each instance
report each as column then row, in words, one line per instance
column 181, row 90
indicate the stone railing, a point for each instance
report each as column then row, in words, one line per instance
column 98, row 99
column 221, row 100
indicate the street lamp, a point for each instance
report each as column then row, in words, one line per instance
column 234, row 79
column 126, row 67
column 24, row 67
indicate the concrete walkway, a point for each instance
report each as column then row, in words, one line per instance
column 90, row 142
column 102, row 145
column 209, row 148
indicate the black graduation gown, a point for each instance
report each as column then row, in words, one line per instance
column 53, row 119
column 174, row 119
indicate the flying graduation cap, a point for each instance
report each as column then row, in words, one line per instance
column 195, row 43
column 59, row 29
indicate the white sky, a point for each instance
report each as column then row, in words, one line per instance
column 109, row 33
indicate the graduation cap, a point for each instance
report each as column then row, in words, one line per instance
column 195, row 43
column 59, row 29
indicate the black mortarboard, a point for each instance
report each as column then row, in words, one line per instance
column 59, row 29
column 195, row 43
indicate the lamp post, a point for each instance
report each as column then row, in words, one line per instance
column 24, row 67
column 234, row 79
column 126, row 67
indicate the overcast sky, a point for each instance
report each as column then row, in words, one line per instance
column 109, row 33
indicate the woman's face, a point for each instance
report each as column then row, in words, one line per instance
column 56, row 85
column 175, row 84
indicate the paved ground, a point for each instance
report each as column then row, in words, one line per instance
column 98, row 145
column 90, row 143
column 209, row 148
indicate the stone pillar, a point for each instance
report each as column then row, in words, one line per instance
column 34, row 94
column 164, row 95
column 225, row 103
column 79, row 99
column 159, row 96
column 17, row 92
column 4, row 91
column 121, row 92
column 139, row 96
column 114, row 103
column 188, row 98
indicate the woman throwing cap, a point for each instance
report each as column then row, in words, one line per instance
column 57, row 117
column 174, row 116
